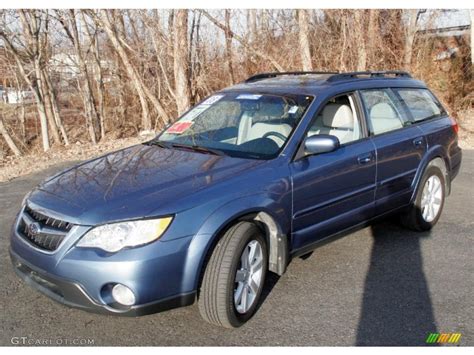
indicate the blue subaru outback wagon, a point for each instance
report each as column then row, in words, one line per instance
column 251, row 177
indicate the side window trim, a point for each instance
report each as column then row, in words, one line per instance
column 406, row 110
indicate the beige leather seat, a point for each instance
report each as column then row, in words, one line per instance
column 260, row 129
column 336, row 120
column 244, row 128
column 384, row 118
column 248, row 130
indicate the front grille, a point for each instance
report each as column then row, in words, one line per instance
column 43, row 231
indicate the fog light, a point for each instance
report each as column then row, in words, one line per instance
column 123, row 295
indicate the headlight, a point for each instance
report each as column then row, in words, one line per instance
column 116, row 236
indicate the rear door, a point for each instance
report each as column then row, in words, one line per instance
column 400, row 146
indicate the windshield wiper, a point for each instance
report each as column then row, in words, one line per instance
column 197, row 148
column 158, row 143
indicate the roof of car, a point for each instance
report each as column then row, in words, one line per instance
column 315, row 82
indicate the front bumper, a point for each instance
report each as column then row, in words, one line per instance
column 83, row 277
column 73, row 295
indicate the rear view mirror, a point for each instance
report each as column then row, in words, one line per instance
column 320, row 143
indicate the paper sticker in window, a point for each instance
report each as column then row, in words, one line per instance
column 293, row 109
column 179, row 127
column 196, row 111
column 212, row 100
column 248, row 97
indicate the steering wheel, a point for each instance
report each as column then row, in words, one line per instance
column 276, row 134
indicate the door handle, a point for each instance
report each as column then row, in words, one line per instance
column 418, row 142
column 365, row 159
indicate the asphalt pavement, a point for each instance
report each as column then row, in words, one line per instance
column 381, row 285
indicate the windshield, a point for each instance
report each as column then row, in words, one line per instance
column 246, row 125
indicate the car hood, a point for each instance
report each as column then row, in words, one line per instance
column 134, row 183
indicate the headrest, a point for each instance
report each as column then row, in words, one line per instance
column 271, row 110
column 382, row 110
column 337, row 116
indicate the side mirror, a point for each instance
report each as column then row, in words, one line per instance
column 320, row 143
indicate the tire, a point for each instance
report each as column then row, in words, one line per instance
column 417, row 218
column 219, row 286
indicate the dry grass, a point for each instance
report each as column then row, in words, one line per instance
column 34, row 161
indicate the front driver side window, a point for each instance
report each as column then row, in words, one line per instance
column 383, row 113
column 338, row 118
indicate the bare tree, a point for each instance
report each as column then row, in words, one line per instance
column 92, row 37
column 305, row 53
column 181, row 55
column 69, row 23
column 359, row 38
column 133, row 70
column 114, row 37
column 11, row 144
column 228, row 47
column 252, row 21
column 471, row 12
column 373, row 37
column 242, row 41
column 410, row 32
column 119, row 44
column 34, row 82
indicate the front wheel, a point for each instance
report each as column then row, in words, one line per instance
column 234, row 277
column 429, row 202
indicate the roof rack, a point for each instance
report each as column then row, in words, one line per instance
column 356, row 74
column 261, row 76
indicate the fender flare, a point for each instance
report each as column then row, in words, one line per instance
column 435, row 156
column 260, row 211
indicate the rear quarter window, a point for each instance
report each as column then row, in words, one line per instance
column 421, row 103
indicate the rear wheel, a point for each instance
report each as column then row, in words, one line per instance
column 234, row 277
column 429, row 202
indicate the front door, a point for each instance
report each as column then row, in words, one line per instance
column 333, row 191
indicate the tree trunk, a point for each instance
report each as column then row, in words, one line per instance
column 98, row 75
column 372, row 36
column 305, row 52
column 180, row 60
column 142, row 91
column 11, row 144
column 472, row 36
column 22, row 115
column 44, row 93
column 34, row 88
column 99, row 81
column 54, row 106
column 84, row 80
column 131, row 71
column 252, row 19
column 242, row 41
column 359, row 35
column 410, row 37
column 228, row 48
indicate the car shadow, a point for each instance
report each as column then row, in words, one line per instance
column 271, row 279
column 396, row 306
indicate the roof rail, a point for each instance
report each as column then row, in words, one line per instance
column 355, row 74
column 261, row 76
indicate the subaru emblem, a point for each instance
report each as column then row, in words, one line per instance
column 34, row 229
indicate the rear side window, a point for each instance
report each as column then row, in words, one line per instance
column 421, row 103
column 383, row 110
